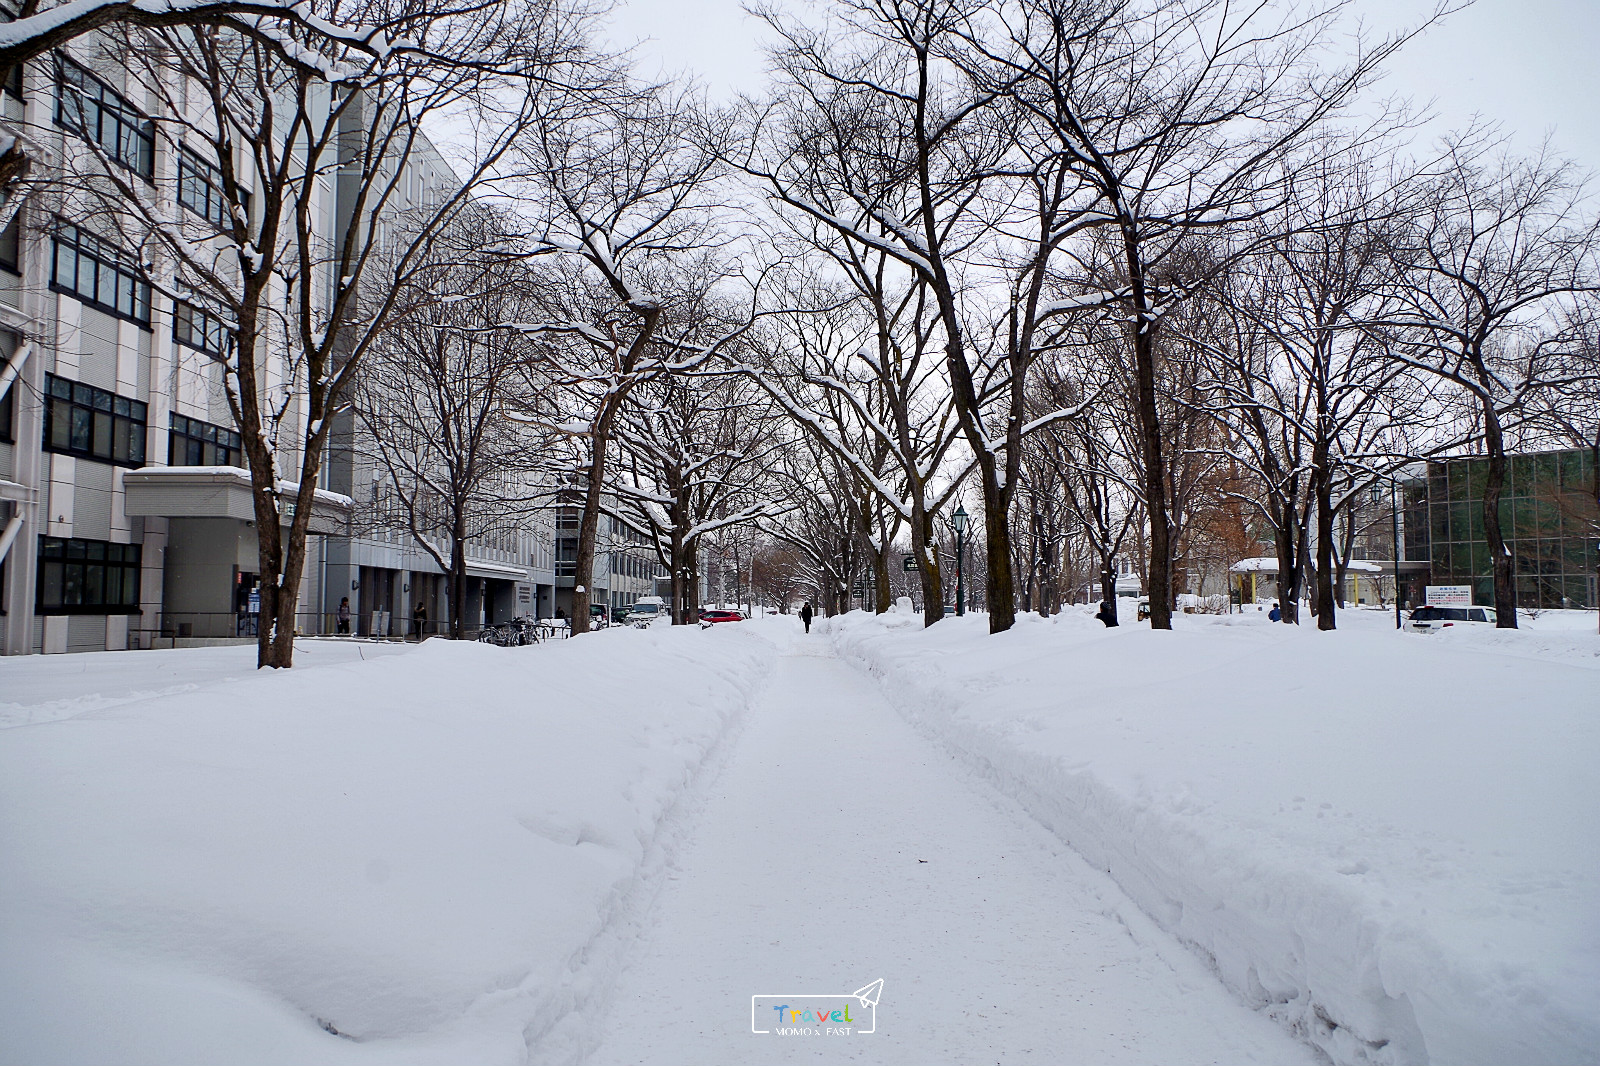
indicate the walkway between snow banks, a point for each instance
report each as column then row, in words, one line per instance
column 836, row 847
column 1386, row 841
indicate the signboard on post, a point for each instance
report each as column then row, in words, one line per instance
column 911, row 563
column 1449, row 595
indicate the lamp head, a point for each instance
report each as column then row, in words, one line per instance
column 959, row 519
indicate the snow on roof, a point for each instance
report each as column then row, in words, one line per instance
column 1270, row 565
column 338, row 499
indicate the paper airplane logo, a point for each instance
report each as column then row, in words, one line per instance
column 846, row 1014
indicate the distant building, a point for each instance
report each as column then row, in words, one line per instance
column 1547, row 515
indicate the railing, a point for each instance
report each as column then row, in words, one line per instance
column 174, row 627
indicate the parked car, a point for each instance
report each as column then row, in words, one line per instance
column 598, row 618
column 715, row 615
column 645, row 611
column 1431, row 619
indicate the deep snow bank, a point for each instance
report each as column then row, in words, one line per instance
column 1387, row 840
column 414, row 853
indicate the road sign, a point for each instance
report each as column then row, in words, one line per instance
column 1449, row 595
column 911, row 563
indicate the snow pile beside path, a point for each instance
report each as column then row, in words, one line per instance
column 408, row 859
column 43, row 688
column 1387, row 840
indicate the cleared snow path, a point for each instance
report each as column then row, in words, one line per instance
column 838, row 846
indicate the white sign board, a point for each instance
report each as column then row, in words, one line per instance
column 1449, row 595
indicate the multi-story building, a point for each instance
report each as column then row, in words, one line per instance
column 125, row 511
column 626, row 566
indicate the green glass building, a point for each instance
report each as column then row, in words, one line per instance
column 1547, row 515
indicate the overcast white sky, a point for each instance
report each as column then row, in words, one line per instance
column 1531, row 65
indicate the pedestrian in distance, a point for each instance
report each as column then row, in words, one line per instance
column 1274, row 615
column 419, row 617
column 1107, row 613
column 343, row 615
column 805, row 615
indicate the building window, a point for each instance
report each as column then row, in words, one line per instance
column 7, row 406
column 92, row 423
column 101, row 116
column 566, row 556
column 200, row 190
column 11, row 244
column 98, row 273
column 197, row 443
column 87, row 577
column 197, row 328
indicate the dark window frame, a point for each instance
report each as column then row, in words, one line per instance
column 87, row 422
column 129, row 297
column 79, row 576
column 200, row 189
column 202, row 440
column 8, row 416
column 11, row 245
column 130, row 141
column 195, row 327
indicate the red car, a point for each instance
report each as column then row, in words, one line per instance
column 708, row 618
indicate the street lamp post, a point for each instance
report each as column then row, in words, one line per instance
column 1394, row 519
column 959, row 520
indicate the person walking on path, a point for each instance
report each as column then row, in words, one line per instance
column 1107, row 613
column 805, row 615
column 343, row 616
column 419, row 617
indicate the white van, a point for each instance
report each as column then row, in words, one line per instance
column 645, row 611
column 1431, row 619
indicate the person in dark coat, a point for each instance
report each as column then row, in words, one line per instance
column 805, row 615
column 1275, row 614
column 343, row 616
column 419, row 617
column 1107, row 613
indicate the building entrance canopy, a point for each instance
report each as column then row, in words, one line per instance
column 220, row 492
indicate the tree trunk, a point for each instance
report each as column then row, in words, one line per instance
column 677, row 567
column 1505, row 583
column 458, row 580
column 1288, row 566
column 1155, row 474
column 1322, row 487
column 884, row 595
column 928, row 572
column 589, row 526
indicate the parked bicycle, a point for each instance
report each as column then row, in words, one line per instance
column 515, row 633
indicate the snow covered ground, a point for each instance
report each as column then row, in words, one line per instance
column 1049, row 844
column 1389, row 841
column 413, row 852
column 40, row 688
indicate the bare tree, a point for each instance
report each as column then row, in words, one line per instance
column 251, row 260
column 1499, row 244
column 693, row 457
column 430, row 403
column 1175, row 116
column 860, row 378
column 620, row 186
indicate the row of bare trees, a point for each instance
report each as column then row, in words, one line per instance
column 1128, row 278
